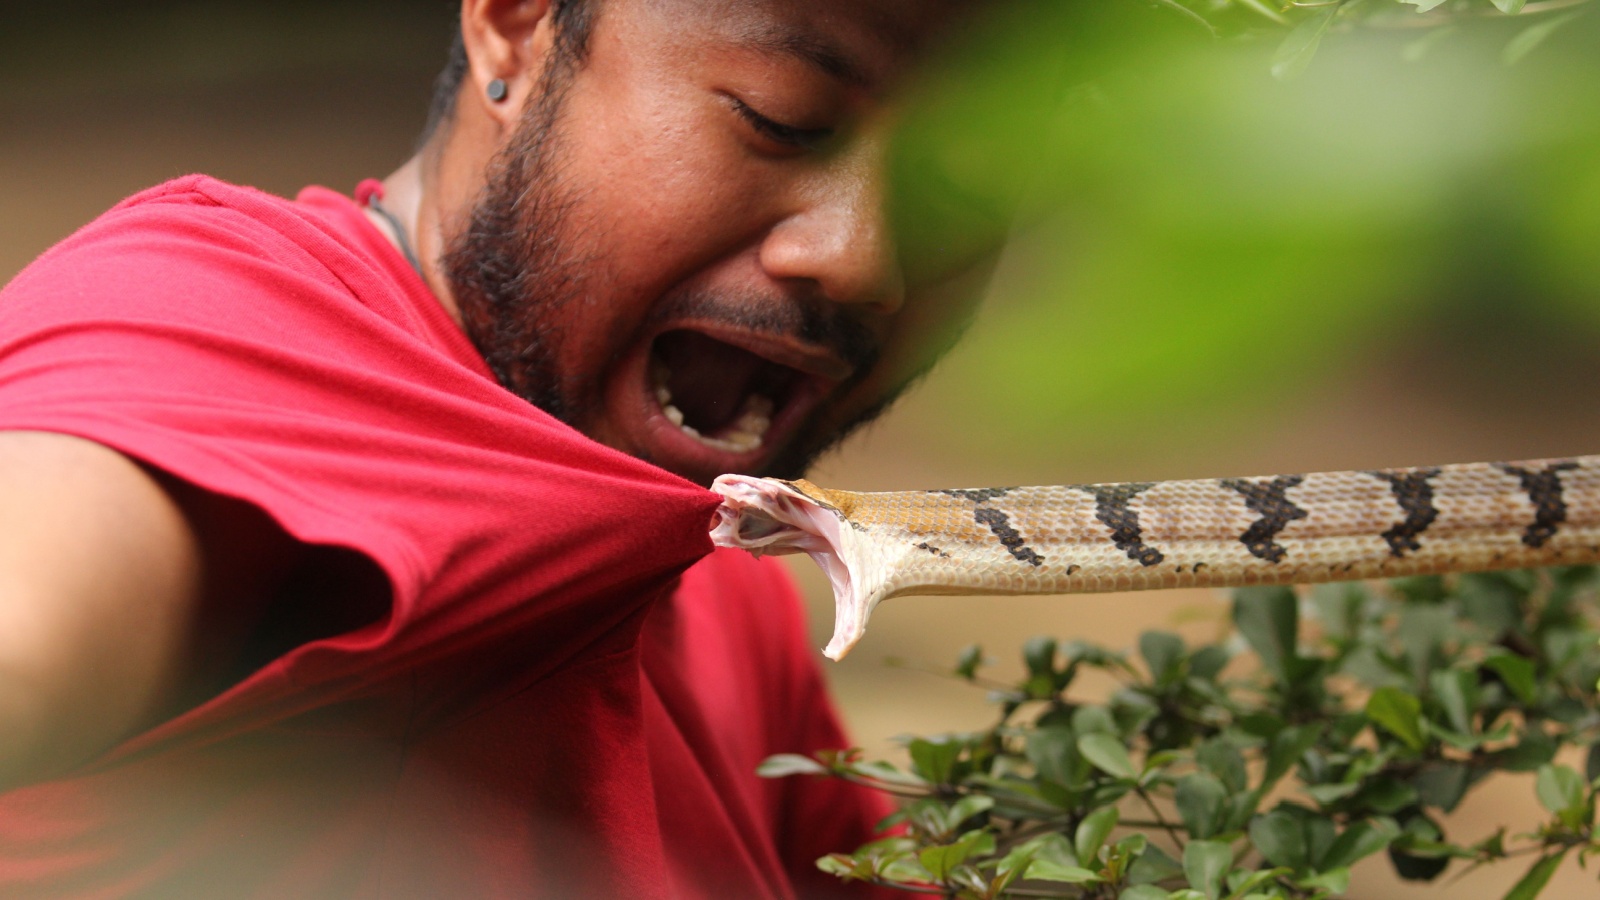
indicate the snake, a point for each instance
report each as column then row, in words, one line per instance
column 1222, row 532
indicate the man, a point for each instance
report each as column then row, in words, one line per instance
column 322, row 575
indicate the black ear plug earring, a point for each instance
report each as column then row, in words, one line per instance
column 497, row 90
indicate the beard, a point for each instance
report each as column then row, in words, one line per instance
column 517, row 265
column 511, row 268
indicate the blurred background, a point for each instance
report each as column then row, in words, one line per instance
column 1228, row 255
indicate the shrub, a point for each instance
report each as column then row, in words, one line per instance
column 1205, row 776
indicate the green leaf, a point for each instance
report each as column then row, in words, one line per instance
column 969, row 806
column 1222, row 759
column 1143, row 892
column 1338, row 607
column 1491, row 601
column 1516, row 672
column 1015, row 864
column 1423, row 5
column 1092, row 833
column 1054, row 847
column 1400, row 714
column 1443, row 784
column 1534, row 750
column 1039, row 654
column 1509, row 7
column 1360, row 840
column 1209, row 661
column 941, row 861
column 1329, row 794
column 1591, row 763
column 1206, row 864
column 1049, row 870
column 1153, row 865
column 1108, row 754
column 883, row 770
column 971, row 658
column 1456, row 692
column 1388, row 795
column 1559, row 788
column 1423, row 630
column 1200, row 798
column 1285, row 750
column 785, row 764
column 1092, row 719
column 1537, row 877
column 1296, row 51
column 1163, row 652
column 837, row 864
column 934, row 760
column 1532, row 36
column 1281, row 839
column 1054, row 754
column 1334, row 881
column 1417, row 854
column 1125, row 851
column 1269, row 617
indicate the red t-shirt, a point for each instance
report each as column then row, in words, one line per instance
column 545, row 708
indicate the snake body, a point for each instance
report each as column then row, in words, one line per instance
column 1228, row 532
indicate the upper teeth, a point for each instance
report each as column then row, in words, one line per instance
column 744, row 435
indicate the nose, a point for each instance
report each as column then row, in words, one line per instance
column 837, row 236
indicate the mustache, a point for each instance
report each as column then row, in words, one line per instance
column 810, row 320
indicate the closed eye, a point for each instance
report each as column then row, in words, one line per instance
column 778, row 132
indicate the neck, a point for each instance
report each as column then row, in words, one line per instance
column 404, row 193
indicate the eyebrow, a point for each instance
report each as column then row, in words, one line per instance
column 810, row 49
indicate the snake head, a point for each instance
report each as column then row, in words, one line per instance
column 772, row 516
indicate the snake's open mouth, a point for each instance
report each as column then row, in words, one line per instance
column 721, row 395
column 765, row 515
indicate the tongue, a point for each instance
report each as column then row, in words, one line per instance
column 709, row 380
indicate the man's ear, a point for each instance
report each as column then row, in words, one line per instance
column 508, row 40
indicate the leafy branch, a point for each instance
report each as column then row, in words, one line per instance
column 1386, row 710
column 1307, row 21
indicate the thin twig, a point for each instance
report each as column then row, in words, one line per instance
column 1160, row 819
column 888, row 787
column 1433, row 19
column 930, row 889
column 1185, row 11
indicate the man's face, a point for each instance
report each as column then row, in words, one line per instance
column 682, row 251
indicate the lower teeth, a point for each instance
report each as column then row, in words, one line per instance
column 746, row 434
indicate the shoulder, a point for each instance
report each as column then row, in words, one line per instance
column 206, row 210
column 193, row 223
column 197, row 252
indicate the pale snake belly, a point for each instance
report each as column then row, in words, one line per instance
column 1227, row 532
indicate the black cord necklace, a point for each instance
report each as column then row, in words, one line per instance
column 399, row 232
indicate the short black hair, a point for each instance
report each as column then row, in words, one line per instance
column 573, row 20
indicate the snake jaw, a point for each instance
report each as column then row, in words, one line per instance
column 770, row 516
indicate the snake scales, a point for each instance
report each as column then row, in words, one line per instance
column 1226, row 532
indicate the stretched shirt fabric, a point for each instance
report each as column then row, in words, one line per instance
column 565, row 695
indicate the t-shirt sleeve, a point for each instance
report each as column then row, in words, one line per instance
column 237, row 343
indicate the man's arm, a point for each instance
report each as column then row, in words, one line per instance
column 100, row 584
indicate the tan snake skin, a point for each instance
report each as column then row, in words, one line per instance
column 1227, row 532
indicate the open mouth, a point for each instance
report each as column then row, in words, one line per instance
column 725, row 397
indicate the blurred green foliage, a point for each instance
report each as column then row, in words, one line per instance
column 1187, row 227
